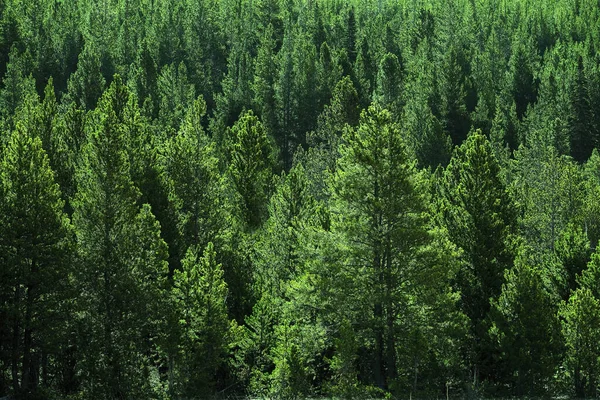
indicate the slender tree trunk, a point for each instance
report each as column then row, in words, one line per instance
column 579, row 387
column 380, row 372
column 391, row 369
column 416, row 374
column 27, row 382
column 15, row 341
column 379, row 369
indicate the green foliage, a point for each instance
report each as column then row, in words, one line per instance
column 200, row 294
column 581, row 318
column 383, row 248
column 525, row 327
column 480, row 218
column 251, row 166
column 305, row 169
column 190, row 171
column 36, row 242
column 123, row 261
column 87, row 83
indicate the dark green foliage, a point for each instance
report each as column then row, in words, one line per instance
column 87, row 83
column 526, row 329
column 480, row 218
column 36, row 241
column 123, row 261
column 293, row 199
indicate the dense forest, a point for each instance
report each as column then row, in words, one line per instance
column 299, row 198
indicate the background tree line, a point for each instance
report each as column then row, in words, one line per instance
column 299, row 198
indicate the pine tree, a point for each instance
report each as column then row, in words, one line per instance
column 189, row 166
column 524, row 88
column 87, row 83
column 526, row 328
column 251, row 167
column 351, row 36
column 264, row 83
column 582, row 133
column 477, row 212
column 175, row 95
column 36, row 245
column 200, row 294
column 580, row 329
column 123, row 262
column 389, row 85
column 17, row 86
column 378, row 212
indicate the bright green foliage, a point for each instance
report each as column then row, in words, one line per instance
column 272, row 340
column 343, row 363
column 290, row 378
column 291, row 209
column 123, row 266
column 525, row 328
column 200, row 294
column 549, row 193
column 580, row 329
column 87, row 83
column 190, row 166
column 590, row 277
column 573, row 251
column 378, row 212
column 36, row 241
column 251, row 166
column 175, row 95
column 253, row 360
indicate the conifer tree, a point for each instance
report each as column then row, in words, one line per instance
column 378, row 211
column 200, row 293
column 124, row 268
column 87, row 83
column 526, row 328
column 580, row 329
column 251, row 167
column 36, row 240
column 480, row 218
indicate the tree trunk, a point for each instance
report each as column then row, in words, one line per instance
column 27, row 376
column 15, row 341
column 379, row 369
column 390, row 357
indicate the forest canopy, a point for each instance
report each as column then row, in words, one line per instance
column 299, row 199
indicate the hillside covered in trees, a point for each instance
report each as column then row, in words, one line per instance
column 299, row 198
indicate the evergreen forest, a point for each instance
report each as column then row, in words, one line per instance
column 291, row 199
